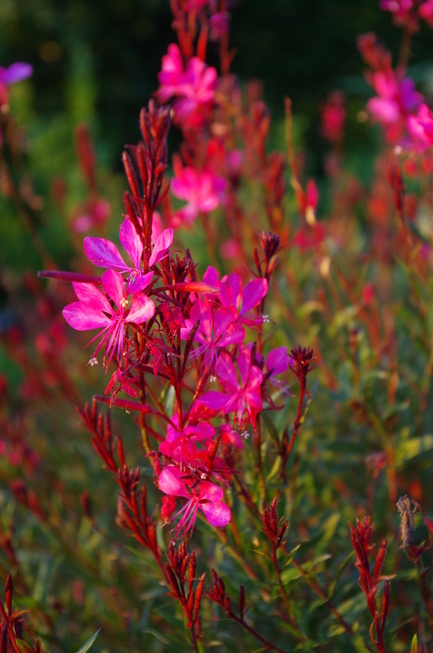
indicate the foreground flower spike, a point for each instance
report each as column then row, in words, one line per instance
column 361, row 538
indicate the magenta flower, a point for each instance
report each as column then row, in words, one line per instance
column 420, row 128
column 180, row 445
column 396, row 7
column 193, row 89
column 396, row 99
column 219, row 25
column 237, row 397
column 96, row 213
column 426, row 11
column 15, row 73
column 218, row 328
column 94, row 311
column 231, row 294
column 204, row 496
column 200, row 189
column 105, row 254
column 333, row 117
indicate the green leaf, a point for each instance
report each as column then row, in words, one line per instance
column 406, row 451
column 271, row 427
column 89, row 642
column 414, row 644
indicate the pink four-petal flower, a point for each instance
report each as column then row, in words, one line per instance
column 93, row 310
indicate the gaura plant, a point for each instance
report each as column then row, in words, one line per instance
column 237, row 504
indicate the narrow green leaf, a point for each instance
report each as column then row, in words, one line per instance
column 89, row 642
column 414, row 644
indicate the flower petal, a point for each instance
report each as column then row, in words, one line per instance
column 113, row 284
column 104, row 254
column 162, row 245
column 142, row 309
column 84, row 317
column 169, row 482
column 16, row 72
column 217, row 513
column 131, row 241
column 253, row 293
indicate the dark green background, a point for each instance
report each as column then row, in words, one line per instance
column 111, row 50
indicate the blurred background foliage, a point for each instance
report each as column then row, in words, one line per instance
column 98, row 61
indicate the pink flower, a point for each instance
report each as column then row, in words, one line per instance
column 333, row 117
column 96, row 214
column 193, row 89
column 219, row 25
column 105, row 254
column 218, row 328
column 231, row 294
column 204, row 496
column 94, row 311
column 201, row 190
column 396, row 7
column 15, row 73
column 426, row 11
column 180, row 445
column 420, row 128
column 396, row 97
column 237, row 397
column 403, row 11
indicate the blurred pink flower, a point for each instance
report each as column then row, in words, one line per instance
column 193, row 89
column 201, row 190
column 426, row 11
column 420, row 128
column 333, row 117
column 96, row 214
column 395, row 97
column 15, row 73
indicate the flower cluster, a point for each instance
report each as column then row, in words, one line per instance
column 398, row 107
column 155, row 319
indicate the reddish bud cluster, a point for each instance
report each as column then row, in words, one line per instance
column 361, row 538
column 274, row 527
column 11, row 626
column 180, row 571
